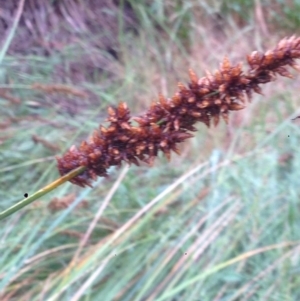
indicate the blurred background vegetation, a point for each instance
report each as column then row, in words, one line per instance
column 220, row 222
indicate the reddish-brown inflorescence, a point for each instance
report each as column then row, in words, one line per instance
column 169, row 121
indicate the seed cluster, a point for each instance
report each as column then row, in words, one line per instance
column 170, row 121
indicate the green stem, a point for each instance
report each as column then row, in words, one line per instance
column 42, row 192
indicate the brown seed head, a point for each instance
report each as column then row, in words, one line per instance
column 169, row 121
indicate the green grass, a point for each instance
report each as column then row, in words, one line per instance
column 220, row 222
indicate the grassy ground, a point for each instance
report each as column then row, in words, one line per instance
column 220, row 222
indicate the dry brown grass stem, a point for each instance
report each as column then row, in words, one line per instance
column 59, row 89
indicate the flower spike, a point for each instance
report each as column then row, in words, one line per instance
column 169, row 121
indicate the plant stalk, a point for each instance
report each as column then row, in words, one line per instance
column 42, row 192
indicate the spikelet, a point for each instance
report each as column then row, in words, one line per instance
column 169, row 121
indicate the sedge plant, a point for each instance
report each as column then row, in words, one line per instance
column 169, row 121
